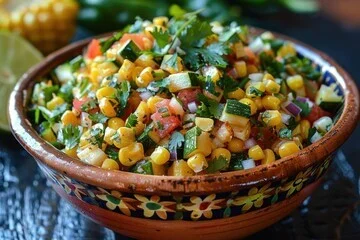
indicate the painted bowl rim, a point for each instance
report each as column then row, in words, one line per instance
column 167, row 185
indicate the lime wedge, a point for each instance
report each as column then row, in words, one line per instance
column 16, row 57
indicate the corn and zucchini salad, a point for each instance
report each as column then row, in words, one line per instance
column 184, row 97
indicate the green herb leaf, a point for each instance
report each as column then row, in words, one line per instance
column 171, row 62
column 236, row 161
column 210, row 86
column 98, row 118
column 112, row 152
column 131, row 121
column 87, row 106
column 176, row 141
column 215, row 108
column 217, row 164
column 305, row 108
column 196, row 31
column 143, row 167
column 255, row 91
column 271, row 65
column 97, row 135
column 106, row 44
column 122, row 95
column 69, row 135
column 196, row 58
column 285, row 133
column 161, row 37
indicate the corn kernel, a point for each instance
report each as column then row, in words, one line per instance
column 304, row 128
column 236, row 145
column 237, row 94
column 286, row 50
column 146, row 60
column 256, row 153
column 240, row 68
column 107, row 69
column 251, row 68
column 152, row 101
column 221, row 152
column 296, row 131
column 258, row 104
column 288, row 148
column 271, row 87
column 158, row 170
column 268, row 77
column 251, row 103
column 142, row 112
column 69, row 117
column 239, row 50
column 159, row 74
column 197, row 162
column 54, row 103
column 105, row 92
column 295, row 82
column 130, row 155
column 271, row 118
column 205, row 124
column 71, row 152
column 255, row 90
column 110, row 164
column 124, row 137
column 203, row 142
column 270, row 102
column 180, row 168
column 145, row 77
column 126, row 70
column 108, row 135
column 116, row 123
column 160, row 155
column 107, row 107
column 269, row 156
column 136, row 72
column 161, row 21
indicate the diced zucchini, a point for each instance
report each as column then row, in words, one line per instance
column 170, row 63
column 237, row 108
column 323, row 124
column 328, row 99
column 179, row 81
column 130, row 51
column 143, row 167
column 230, row 36
column 64, row 73
column 191, row 141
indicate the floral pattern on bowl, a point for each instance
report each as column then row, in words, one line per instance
column 211, row 206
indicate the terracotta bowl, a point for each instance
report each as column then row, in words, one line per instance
column 229, row 205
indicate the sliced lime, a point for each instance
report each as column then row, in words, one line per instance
column 16, row 57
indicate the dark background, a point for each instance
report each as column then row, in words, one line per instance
column 29, row 209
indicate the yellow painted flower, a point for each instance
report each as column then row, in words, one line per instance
column 70, row 187
column 153, row 205
column 296, row 184
column 324, row 166
column 201, row 207
column 114, row 200
column 254, row 198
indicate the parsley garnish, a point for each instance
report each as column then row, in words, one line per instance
column 54, row 115
column 112, row 152
column 161, row 37
column 171, row 63
column 97, row 136
column 176, row 141
column 131, row 121
column 255, row 91
column 122, row 95
column 217, row 164
column 87, row 106
column 285, row 133
column 236, row 161
column 106, row 44
column 228, row 85
column 210, row 86
column 271, row 65
column 194, row 33
column 69, row 135
column 98, row 118
column 214, row 108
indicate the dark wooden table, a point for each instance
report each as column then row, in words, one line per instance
column 30, row 209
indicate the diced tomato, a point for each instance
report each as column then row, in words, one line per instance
column 251, row 57
column 264, row 137
column 138, row 38
column 316, row 113
column 78, row 103
column 187, row 96
column 165, row 125
column 94, row 49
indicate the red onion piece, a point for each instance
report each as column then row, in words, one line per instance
column 145, row 95
column 250, row 143
column 291, row 108
column 302, row 99
column 192, row 107
column 173, row 155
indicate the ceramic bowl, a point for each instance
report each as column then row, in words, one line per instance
column 229, row 205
